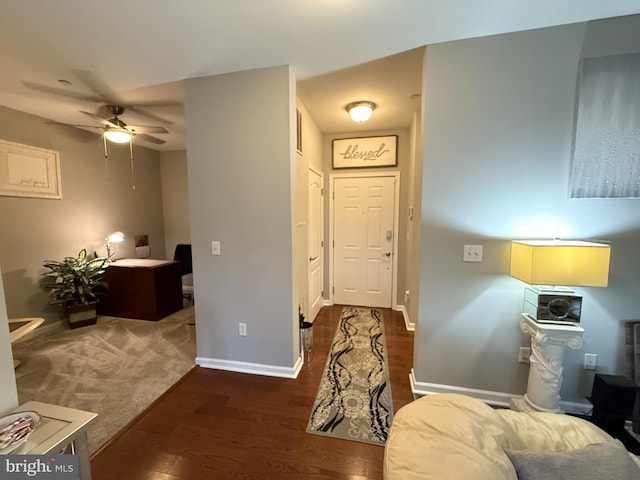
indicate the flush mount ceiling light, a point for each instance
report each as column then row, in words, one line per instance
column 117, row 135
column 360, row 111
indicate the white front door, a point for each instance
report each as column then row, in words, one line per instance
column 316, row 243
column 364, row 239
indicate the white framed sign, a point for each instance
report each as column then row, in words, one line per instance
column 27, row 171
column 365, row 152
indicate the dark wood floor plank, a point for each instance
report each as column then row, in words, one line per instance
column 224, row 425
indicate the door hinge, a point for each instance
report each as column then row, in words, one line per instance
column 333, row 289
column 322, row 293
column 321, row 243
column 322, row 192
column 333, row 243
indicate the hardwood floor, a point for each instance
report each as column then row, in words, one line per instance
column 224, row 425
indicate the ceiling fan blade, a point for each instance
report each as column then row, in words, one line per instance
column 147, row 129
column 61, row 92
column 149, row 138
column 153, row 116
column 100, row 119
column 73, row 125
column 97, row 86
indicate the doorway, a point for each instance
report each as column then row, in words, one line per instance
column 364, row 223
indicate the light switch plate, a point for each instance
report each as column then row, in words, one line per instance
column 215, row 248
column 590, row 361
column 472, row 253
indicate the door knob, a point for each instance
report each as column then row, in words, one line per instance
column 311, row 259
column 387, row 254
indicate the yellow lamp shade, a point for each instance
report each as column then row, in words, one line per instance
column 558, row 262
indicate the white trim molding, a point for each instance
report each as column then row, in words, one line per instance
column 495, row 399
column 253, row 368
column 410, row 326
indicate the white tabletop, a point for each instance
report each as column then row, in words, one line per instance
column 139, row 262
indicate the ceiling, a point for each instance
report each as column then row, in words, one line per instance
column 136, row 53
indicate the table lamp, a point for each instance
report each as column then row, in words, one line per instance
column 550, row 267
column 115, row 237
column 552, row 310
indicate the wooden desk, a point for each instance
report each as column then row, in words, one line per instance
column 142, row 288
column 60, row 428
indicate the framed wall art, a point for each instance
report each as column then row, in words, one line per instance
column 27, row 171
column 365, row 152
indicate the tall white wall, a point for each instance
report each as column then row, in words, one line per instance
column 241, row 158
column 498, row 126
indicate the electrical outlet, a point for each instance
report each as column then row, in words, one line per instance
column 472, row 253
column 524, row 354
column 406, row 296
column 590, row 361
column 242, row 329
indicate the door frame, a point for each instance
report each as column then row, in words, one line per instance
column 396, row 227
column 320, row 221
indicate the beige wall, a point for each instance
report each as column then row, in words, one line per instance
column 405, row 155
column 412, row 236
column 175, row 199
column 311, row 156
column 35, row 230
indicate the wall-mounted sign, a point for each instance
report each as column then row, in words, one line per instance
column 27, row 171
column 365, row 152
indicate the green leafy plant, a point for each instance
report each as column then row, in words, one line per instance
column 75, row 280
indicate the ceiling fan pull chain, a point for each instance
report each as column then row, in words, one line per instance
column 133, row 176
column 106, row 160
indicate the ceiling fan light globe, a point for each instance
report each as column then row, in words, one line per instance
column 361, row 111
column 117, row 135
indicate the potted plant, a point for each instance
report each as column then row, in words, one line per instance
column 74, row 283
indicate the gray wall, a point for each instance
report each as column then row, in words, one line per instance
column 498, row 126
column 34, row 230
column 241, row 157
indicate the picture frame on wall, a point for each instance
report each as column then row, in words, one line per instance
column 365, row 152
column 27, row 171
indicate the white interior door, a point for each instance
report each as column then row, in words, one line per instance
column 363, row 236
column 316, row 243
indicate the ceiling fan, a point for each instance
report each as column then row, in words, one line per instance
column 117, row 131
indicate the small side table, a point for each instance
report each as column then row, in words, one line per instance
column 60, row 428
column 613, row 398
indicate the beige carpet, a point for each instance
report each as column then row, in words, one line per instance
column 115, row 368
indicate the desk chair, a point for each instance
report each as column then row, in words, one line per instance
column 182, row 254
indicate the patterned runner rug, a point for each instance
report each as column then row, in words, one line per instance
column 354, row 398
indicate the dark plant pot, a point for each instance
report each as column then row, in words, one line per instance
column 82, row 315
